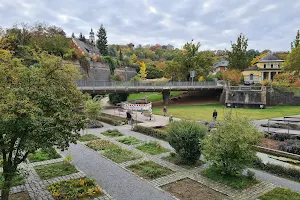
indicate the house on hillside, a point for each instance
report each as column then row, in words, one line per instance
column 86, row 47
column 170, row 47
column 221, row 65
column 264, row 69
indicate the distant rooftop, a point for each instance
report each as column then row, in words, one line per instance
column 270, row 57
column 221, row 63
column 87, row 48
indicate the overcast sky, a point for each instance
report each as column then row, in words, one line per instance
column 269, row 24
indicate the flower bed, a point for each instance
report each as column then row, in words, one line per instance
column 84, row 188
column 291, row 146
column 119, row 155
column 55, row 170
column 98, row 145
column 112, row 133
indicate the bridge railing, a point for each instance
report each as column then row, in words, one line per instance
column 143, row 84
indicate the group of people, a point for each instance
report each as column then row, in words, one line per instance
column 129, row 116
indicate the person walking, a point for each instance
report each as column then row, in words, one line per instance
column 215, row 115
column 128, row 117
column 165, row 111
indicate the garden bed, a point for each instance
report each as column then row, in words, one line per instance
column 99, row 145
column 157, row 133
column 177, row 161
column 43, row 154
column 237, row 182
column 129, row 140
column 149, row 170
column 280, row 194
column 153, row 148
column 112, row 133
column 19, row 196
column 84, row 188
column 55, row 170
column 187, row 189
column 119, row 155
column 17, row 180
column 87, row 137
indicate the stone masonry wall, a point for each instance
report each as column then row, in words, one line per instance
column 276, row 97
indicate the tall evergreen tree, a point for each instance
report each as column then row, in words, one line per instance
column 121, row 55
column 102, row 41
column 82, row 38
column 238, row 57
column 296, row 42
column 73, row 35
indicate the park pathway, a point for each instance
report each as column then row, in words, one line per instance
column 119, row 183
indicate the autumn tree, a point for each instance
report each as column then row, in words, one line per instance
column 143, row 70
column 256, row 59
column 292, row 63
column 296, row 42
column 39, row 107
column 102, row 41
column 237, row 57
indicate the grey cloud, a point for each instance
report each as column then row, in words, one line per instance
column 267, row 23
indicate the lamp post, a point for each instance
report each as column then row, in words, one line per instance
column 126, row 73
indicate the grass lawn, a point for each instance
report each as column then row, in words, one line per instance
column 152, row 148
column 43, row 154
column 129, row 140
column 236, row 182
column 176, row 160
column 55, row 170
column 17, row 180
column 119, row 155
column 84, row 188
column 280, row 194
column 87, row 137
column 204, row 112
column 98, row 145
column 151, row 96
column 112, row 133
column 150, row 170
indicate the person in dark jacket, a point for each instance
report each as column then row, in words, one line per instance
column 129, row 117
column 215, row 115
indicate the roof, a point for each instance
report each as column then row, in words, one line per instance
column 256, row 68
column 270, row 57
column 221, row 63
column 253, row 68
column 87, row 48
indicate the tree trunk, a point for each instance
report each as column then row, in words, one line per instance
column 8, row 176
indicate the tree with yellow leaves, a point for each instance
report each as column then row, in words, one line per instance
column 256, row 59
column 143, row 70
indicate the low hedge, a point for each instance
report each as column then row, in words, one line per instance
column 285, row 172
column 151, row 132
column 115, row 121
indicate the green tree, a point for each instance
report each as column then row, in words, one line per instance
column 92, row 109
column 82, row 37
column 117, row 98
column 121, row 55
column 153, row 72
column 102, row 41
column 192, row 60
column 185, row 137
column 292, row 63
column 238, row 57
column 296, row 42
column 111, row 64
column 73, row 35
column 230, row 148
column 39, row 109
column 252, row 53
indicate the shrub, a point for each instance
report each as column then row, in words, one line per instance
column 286, row 172
column 151, row 132
column 68, row 159
column 112, row 133
column 111, row 121
column 185, row 137
column 234, row 77
column 94, row 124
column 42, row 155
column 291, row 146
column 118, row 98
column 230, row 147
column 75, row 189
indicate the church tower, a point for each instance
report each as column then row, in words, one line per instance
column 92, row 37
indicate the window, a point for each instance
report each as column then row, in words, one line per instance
column 265, row 66
column 251, row 77
column 271, row 65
